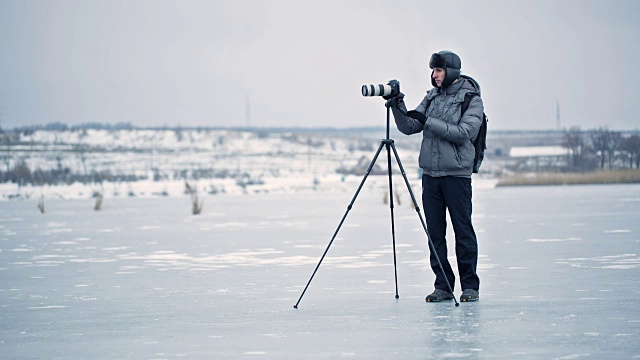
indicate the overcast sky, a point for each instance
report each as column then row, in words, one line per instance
column 302, row 63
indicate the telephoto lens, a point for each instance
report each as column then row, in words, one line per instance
column 376, row 90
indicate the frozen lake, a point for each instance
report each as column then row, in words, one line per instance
column 144, row 279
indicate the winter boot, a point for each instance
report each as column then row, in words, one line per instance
column 439, row 295
column 469, row 295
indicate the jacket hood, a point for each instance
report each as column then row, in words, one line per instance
column 473, row 82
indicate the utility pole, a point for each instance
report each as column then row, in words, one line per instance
column 558, row 115
column 248, row 112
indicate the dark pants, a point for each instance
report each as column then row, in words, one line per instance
column 453, row 193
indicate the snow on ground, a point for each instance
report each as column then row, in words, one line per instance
column 529, row 151
column 217, row 161
column 144, row 279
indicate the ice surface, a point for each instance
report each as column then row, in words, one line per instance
column 144, row 279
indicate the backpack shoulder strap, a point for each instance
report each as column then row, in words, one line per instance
column 467, row 100
column 426, row 105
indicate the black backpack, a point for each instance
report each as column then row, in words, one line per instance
column 480, row 142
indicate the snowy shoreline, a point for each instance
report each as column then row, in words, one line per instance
column 213, row 187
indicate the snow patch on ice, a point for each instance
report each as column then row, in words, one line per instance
column 233, row 224
column 377, row 281
column 44, row 257
column 487, row 266
column 93, row 260
column 571, row 356
column 149, row 227
column 168, row 259
column 622, row 262
column 56, row 231
column 308, row 246
column 454, row 355
column 47, row 307
column 109, row 230
column 623, row 267
column 536, row 240
column 617, row 231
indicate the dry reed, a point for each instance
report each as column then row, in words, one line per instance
column 599, row 177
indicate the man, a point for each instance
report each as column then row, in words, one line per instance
column 446, row 158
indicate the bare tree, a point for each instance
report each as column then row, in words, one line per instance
column 615, row 141
column 81, row 152
column 606, row 143
column 600, row 141
column 6, row 140
column 573, row 141
column 631, row 145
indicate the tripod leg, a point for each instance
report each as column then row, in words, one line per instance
column 424, row 225
column 342, row 221
column 393, row 226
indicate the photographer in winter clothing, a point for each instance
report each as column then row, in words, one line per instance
column 446, row 158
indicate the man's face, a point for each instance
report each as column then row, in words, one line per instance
column 438, row 76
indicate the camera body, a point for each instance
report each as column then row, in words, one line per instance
column 387, row 91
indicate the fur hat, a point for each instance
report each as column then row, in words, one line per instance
column 451, row 64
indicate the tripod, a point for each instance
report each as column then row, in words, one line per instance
column 388, row 143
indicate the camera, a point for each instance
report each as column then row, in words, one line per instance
column 390, row 90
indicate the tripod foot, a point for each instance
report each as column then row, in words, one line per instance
column 295, row 306
column 457, row 304
column 397, row 296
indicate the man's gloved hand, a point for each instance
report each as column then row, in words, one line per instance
column 395, row 86
column 393, row 101
column 421, row 117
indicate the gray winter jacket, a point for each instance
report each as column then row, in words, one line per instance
column 447, row 137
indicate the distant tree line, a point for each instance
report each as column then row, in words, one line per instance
column 58, row 126
column 261, row 131
column 601, row 148
column 22, row 174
